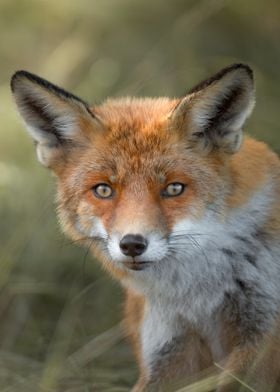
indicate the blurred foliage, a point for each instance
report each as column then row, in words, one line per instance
column 57, row 307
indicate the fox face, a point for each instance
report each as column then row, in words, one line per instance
column 135, row 176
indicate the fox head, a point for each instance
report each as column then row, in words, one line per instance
column 133, row 175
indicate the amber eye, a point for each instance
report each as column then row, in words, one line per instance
column 173, row 189
column 103, row 191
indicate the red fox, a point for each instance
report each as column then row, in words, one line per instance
column 184, row 210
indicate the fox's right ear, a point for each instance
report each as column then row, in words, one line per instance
column 212, row 115
column 56, row 120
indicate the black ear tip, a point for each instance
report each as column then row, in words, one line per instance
column 19, row 75
column 37, row 80
column 241, row 66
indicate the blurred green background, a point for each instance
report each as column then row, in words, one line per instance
column 59, row 312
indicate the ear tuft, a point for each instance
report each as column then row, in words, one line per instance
column 52, row 115
column 215, row 110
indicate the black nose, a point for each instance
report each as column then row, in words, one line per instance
column 133, row 245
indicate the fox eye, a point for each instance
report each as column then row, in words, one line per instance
column 173, row 189
column 103, row 191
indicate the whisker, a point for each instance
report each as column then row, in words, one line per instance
column 186, row 233
column 201, row 249
column 85, row 257
column 181, row 247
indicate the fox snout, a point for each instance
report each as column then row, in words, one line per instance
column 134, row 245
column 137, row 251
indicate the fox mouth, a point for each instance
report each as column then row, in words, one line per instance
column 137, row 265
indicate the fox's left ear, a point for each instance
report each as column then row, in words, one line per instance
column 57, row 120
column 214, row 112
